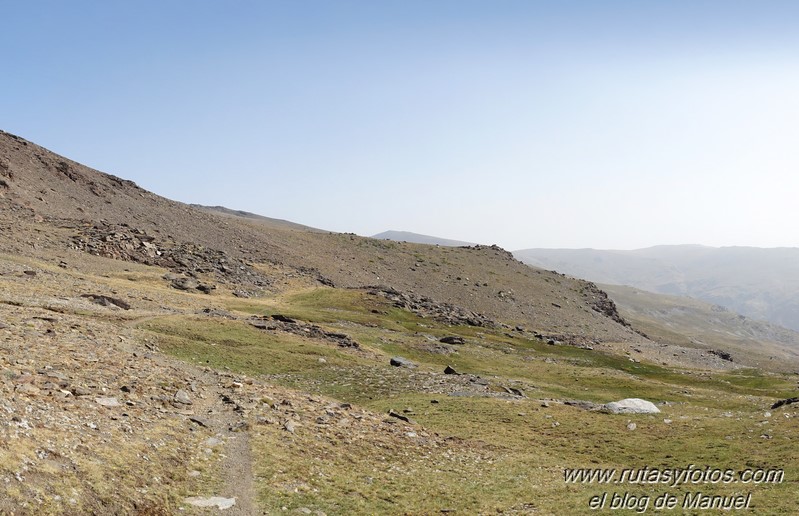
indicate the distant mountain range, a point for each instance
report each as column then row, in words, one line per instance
column 756, row 282
column 416, row 238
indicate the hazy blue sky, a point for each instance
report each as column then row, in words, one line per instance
column 603, row 124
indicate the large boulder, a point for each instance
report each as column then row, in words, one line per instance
column 632, row 406
column 401, row 362
column 453, row 339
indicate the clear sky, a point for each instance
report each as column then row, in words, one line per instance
column 606, row 124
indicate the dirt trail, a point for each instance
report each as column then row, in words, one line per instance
column 214, row 408
column 238, row 475
column 218, row 412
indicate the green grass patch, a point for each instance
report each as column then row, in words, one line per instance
column 240, row 347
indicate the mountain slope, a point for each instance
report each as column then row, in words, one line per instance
column 759, row 283
column 694, row 323
column 90, row 210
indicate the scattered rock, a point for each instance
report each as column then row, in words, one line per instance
column 239, row 426
column 107, row 301
column 401, row 417
column 450, row 370
column 203, row 423
column 515, row 391
column 182, row 397
column 185, row 283
column 585, row 405
column 401, row 362
column 108, row 402
column 205, row 288
column 631, row 426
column 216, row 312
column 632, row 406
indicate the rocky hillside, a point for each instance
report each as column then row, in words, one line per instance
column 65, row 204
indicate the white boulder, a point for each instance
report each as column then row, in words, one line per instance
column 214, row 501
column 632, row 406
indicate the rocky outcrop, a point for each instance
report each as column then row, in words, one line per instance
column 724, row 355
column 600, row 302
column 280, row 322
column 426, row 307
column 122, row 242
